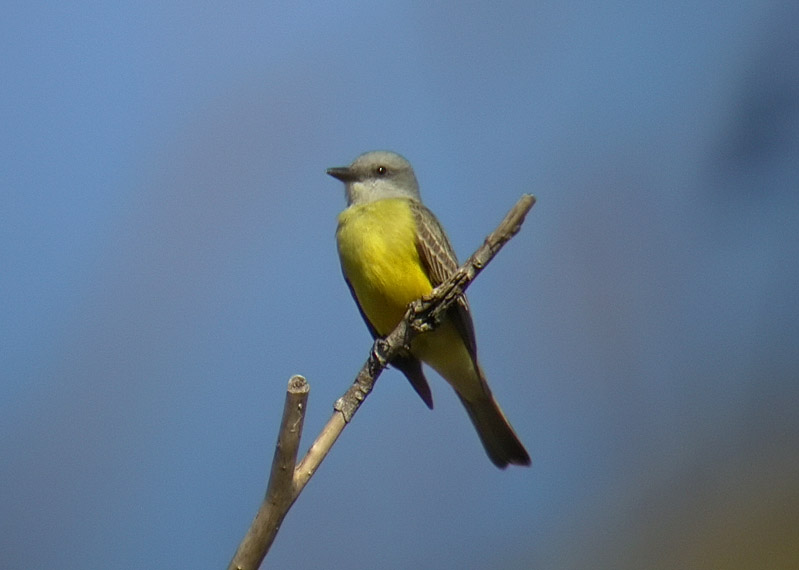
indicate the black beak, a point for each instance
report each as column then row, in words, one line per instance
column 343, row 173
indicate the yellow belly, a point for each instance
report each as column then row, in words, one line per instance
column 377, row 247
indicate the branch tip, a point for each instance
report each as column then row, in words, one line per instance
column 298, row 385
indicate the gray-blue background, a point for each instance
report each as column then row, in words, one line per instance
column 167, row 262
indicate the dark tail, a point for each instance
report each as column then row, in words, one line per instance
column 500, row 441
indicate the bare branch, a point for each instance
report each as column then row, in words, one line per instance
column 280, row 490
column 422, row 315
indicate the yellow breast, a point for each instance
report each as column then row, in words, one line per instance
column 377, row 248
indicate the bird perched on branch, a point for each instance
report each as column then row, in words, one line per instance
column 394, row 251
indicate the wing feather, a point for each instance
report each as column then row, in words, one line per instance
column 438, row 257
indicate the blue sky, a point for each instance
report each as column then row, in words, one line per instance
column 169, row 262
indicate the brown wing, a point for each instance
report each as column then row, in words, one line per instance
column 440, row 262
column 407, row 364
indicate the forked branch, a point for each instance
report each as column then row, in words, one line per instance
column 286, row 481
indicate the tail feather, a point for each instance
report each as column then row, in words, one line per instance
column 499, row 440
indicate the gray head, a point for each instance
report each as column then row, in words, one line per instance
column 377, row 175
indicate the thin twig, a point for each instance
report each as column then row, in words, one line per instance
column 422, row 315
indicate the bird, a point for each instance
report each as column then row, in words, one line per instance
column 393, row 251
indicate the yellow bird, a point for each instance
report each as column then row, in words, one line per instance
column 393, row 251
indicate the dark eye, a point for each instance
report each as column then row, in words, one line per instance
column 381, row 170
